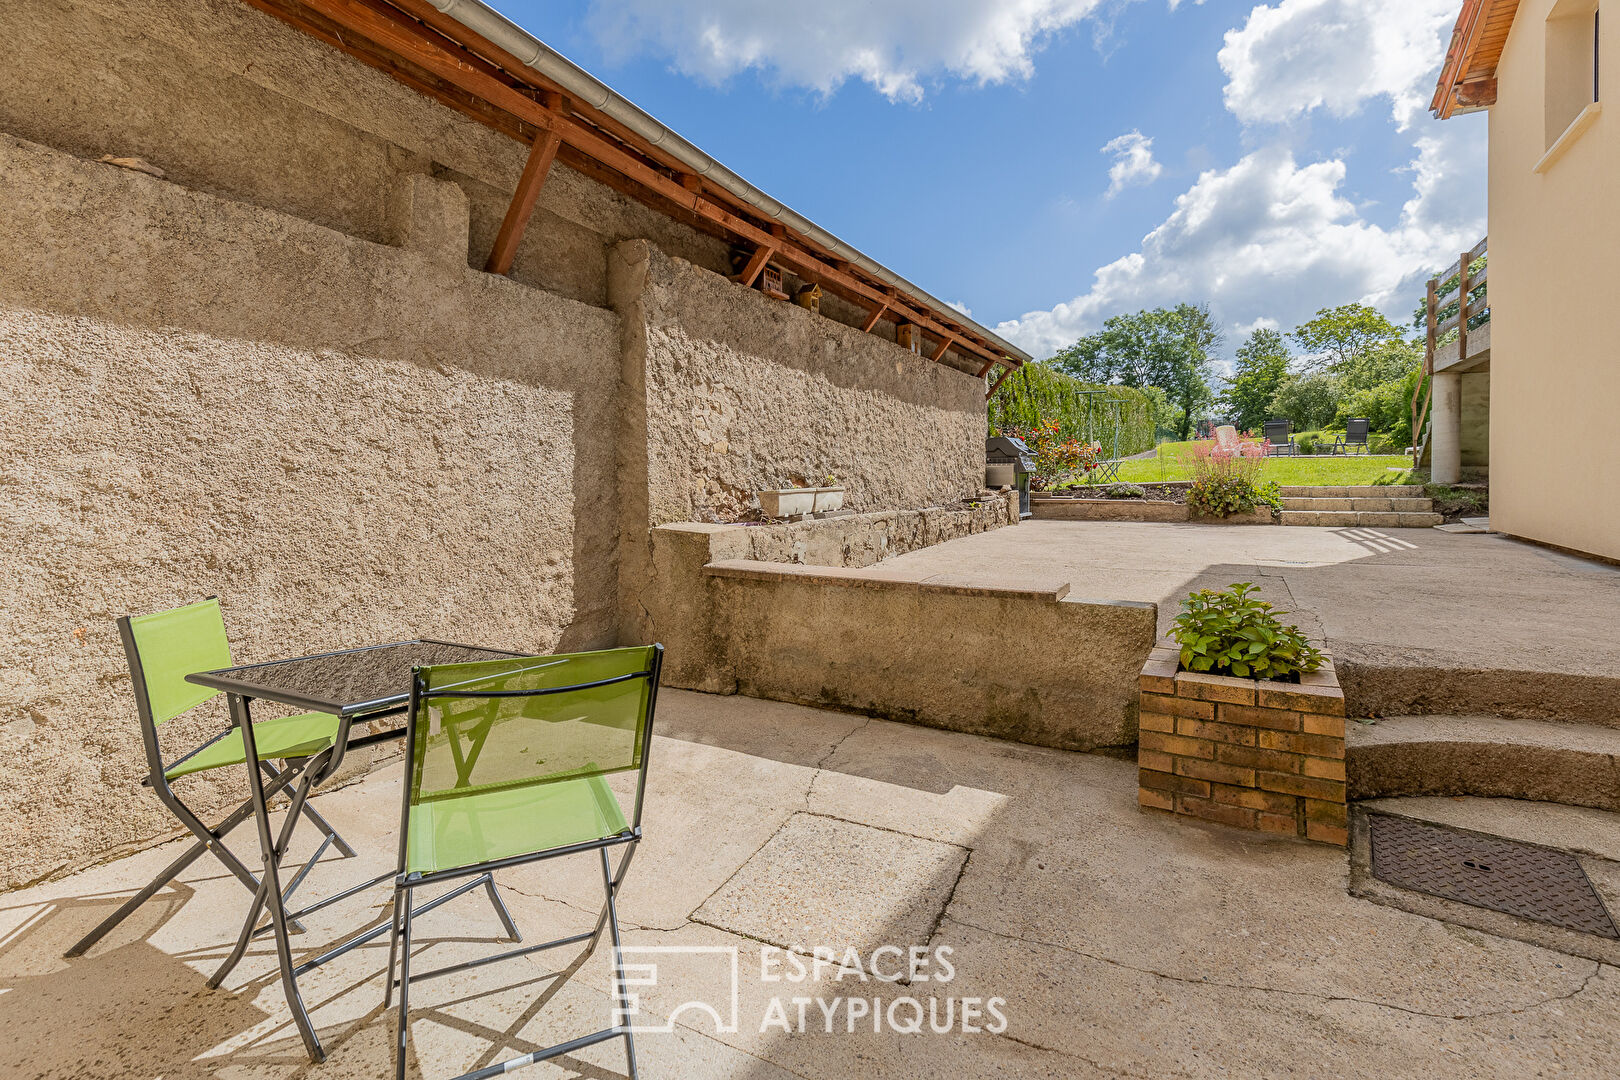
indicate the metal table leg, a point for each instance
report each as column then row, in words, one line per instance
column 270, row 880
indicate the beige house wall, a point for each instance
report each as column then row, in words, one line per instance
column 1555, row 397
column 279, row 375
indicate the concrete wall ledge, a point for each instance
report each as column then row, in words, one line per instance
column 1030, row 663
column 868, row 579
column 1060, row 508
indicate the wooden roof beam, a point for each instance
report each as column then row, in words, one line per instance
column 455, row 66
column 756, row 263
column 543, row 153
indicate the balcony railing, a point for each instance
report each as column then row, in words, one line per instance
column 1450, row 317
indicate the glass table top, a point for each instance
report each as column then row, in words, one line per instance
column 348, row 682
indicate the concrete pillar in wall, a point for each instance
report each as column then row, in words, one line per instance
column 1446, row 433
column 430, row 216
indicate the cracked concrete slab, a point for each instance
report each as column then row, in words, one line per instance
column 825, row 883
column 1120, row 943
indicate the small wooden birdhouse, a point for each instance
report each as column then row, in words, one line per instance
column 809, row 297
column 770, row 282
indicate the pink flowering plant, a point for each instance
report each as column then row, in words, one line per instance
column 1226, row 479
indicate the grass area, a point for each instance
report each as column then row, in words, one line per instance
column 1288, row 471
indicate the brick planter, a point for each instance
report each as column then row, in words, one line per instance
column 1252, row 753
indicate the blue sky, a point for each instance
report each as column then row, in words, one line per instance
column 1268, row 160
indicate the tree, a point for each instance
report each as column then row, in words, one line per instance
column 1338, row 337
column 1310, row 401
column 1169, row 348
column 1381, row 362
column 1262, row 366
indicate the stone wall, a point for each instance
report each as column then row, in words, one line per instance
column 744, row 392
column 349, row 443
column 1029, row 664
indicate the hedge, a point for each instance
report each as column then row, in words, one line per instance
column 1039, row 392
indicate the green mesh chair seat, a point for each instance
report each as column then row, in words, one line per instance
column 163, row 648
column 497, row 824
column 289, row 737
column 506, row 762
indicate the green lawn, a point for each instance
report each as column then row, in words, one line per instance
column 1288, row 471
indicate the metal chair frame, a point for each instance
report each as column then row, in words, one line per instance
column 399, row 929
column 211, row 839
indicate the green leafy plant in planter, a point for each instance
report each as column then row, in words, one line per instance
column 1230, row 632
column 1125, row 491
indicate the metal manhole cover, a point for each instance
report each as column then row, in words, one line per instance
column 1489, row 872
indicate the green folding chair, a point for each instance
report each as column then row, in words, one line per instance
column 504, row 765
column 162, row 649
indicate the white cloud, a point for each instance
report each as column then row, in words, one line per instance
column 1271, row 239
column 1334, row 54
column 958, row 305
column 1133, row 162
column 895, row 46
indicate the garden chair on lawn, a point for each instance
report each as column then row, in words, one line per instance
column 1279, row 438
column 1355, row 434
column 504, row 765
column 162, row 649
column 1227, row 443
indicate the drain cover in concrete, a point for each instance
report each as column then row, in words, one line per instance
column 1489, row 872
column 824, row 882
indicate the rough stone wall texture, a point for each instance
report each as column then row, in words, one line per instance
column 744, row 392
column 672, row 602
column 1028, row 664
column 349, row 443
column 227, row 99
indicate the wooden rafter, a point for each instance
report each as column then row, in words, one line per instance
column 516, row 221
column 944, row 343
column 1001, row 378
column 756, row 263
column 415, row 43
column 872, row 319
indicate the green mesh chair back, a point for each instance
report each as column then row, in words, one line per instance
column 506, row 757
column 165, row 647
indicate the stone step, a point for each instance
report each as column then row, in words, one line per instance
column 1369, row 519
column 1411, row 505
column 1542, row 760
column 1355, row 491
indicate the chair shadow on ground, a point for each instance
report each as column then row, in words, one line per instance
column 129, row 1008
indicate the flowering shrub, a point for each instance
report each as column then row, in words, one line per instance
column 1226, row 480
column 1228, row 632
column 1057, row 457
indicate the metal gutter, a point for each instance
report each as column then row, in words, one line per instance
column 482, row 19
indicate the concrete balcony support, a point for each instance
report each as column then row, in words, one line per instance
column 1446, row 433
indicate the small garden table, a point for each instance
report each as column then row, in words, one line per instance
column 352, row 684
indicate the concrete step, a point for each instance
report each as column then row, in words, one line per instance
column 1408, row 505
column 1371, row 519
column 1356, row 491
column 1542, row 760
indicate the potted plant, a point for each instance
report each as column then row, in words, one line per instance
column 799, row 501
column 1242, row 721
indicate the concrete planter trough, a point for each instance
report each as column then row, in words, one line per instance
column 1252, row 753
column 1069, row 508
column 797, row 502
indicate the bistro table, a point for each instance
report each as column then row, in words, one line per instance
column 354, row 685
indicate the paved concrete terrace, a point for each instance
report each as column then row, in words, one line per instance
column 1417, row 597
column 1125, row 943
